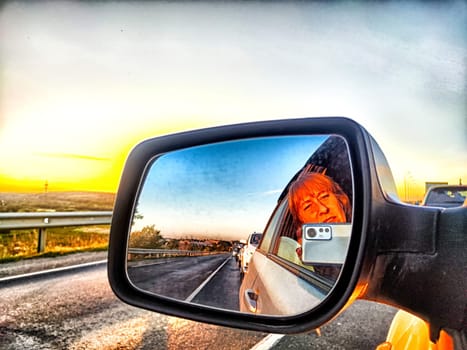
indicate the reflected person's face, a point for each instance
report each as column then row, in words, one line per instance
column 323, row 206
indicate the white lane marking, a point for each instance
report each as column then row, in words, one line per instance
column 202, row 285
column 58, row 269
column 268, row 342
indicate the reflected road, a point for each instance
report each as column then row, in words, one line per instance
column 208, row 280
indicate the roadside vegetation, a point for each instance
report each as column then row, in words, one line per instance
column 56, row 201
column 22, row 244
column 150, row 238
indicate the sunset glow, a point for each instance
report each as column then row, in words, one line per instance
column 80, row 91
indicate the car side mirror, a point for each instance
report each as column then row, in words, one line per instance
column 187, row 203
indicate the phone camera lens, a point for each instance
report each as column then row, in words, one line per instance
column 311, row 232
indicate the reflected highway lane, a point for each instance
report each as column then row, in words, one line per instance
column 79, row 311
column 209, row 280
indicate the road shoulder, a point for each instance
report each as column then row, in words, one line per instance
column 41, row 264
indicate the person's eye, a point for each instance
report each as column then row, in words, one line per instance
column 324, row 196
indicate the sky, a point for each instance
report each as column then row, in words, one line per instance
column 206, row 190
column 82, row 82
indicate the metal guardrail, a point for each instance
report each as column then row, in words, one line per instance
column 44, row 220
column 18, row 221
column 167, row 252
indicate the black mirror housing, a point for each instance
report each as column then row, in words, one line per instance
column 390, row 244
column 131, row 179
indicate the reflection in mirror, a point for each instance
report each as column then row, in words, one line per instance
column 239, row 225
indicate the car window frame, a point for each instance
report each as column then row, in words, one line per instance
column 282, row 209
column 276, row 215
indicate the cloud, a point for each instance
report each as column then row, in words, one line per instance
column 266, row 193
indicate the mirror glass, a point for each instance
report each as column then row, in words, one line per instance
column 256, row 225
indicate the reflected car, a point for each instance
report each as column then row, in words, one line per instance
column 445, row 196
column 236, row 250
column 248, row 250
column 282, row 269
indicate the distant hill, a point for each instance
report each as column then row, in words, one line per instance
column 56, row 201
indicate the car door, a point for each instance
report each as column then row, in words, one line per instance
column 276, row 272
column 248, row 290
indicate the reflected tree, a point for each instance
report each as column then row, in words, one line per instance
column 149, row 237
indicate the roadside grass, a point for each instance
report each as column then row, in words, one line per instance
column 22, row 244
column 56, row 201
column 17, row 245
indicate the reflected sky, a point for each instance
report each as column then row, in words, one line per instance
column 227, row 189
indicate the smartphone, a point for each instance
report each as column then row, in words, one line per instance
column 325, row 243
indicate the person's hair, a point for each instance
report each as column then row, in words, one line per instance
column 309, row 182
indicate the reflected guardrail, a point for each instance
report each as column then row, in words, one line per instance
column 44, row 220
column 164, row 253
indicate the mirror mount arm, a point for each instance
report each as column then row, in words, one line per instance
column 420, row 262
column 415, row 257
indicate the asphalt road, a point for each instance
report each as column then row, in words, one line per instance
column 79, row 311
column 208, row 280
column 175, row 277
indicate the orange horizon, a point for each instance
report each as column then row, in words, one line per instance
column 415, row 193
column 39, row 186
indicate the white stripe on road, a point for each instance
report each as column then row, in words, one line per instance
column 197, row 290
column 45, row 272
column 268, row 342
